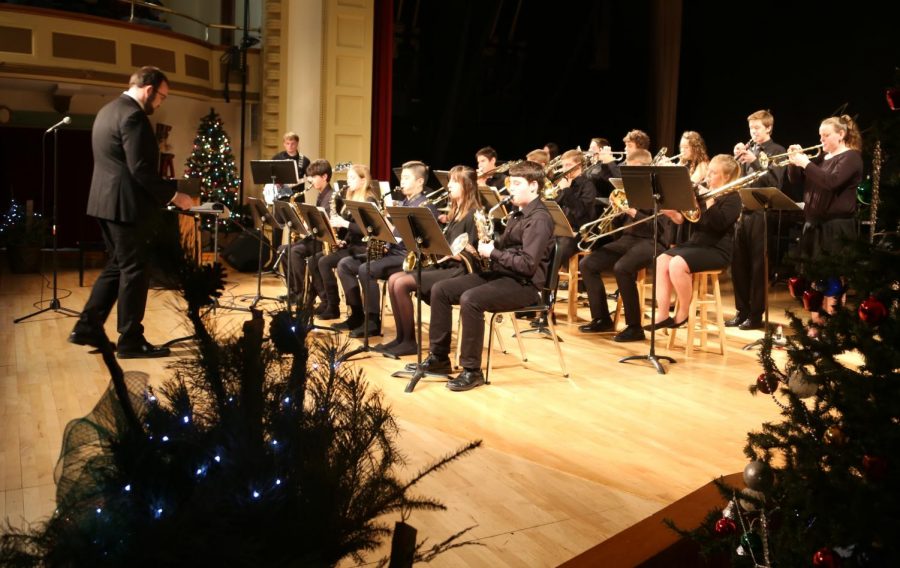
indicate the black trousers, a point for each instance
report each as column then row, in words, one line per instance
column 475, row 294
column 625, row 256
column 748, row 265
column 302, row 256
column 352, row 272
column 567, row 247
column 124, row 279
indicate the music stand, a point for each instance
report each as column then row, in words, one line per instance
column 261, row 218
column 766, row 199
column 369, row 218
column 288, row 219
column 420, row 230
column 276, row 172
column 646, row 187
column 318, row 227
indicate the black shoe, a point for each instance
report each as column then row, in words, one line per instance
column 86, row 334
column 668, row 322
column 382, row 347
column 353, row 321
column 467, row 380
column 141, row 351
column 630, row 333
column 374, row 328
column 434, row 365
column 737, row 320
column 564, row 285
column 751, row 323
column 539, row 323
column 526, row 315
column 599, row 325
column 329, row 313
column 614, row 296
column 403, row 349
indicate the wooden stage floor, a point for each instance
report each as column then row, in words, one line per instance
column 566, row 462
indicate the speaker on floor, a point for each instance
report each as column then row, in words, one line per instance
column 243, row 252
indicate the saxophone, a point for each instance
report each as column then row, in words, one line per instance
column 484, row 227
column 375, row 249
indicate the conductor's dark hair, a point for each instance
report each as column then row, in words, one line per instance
column 148, row 75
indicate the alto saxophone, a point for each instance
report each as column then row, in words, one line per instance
column 484, row 227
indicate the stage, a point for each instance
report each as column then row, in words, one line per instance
column 566, row 462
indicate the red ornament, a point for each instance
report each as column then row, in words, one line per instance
column 797, row 285
column 825, row 557
column 812, row 300
column 893, row 97
column 725, row 527
column 766, row 384
column 872, row 310
column 875, row 467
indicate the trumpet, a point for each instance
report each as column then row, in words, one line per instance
column 502, row 168
column 599, row 227
column 779, row 160
column 659, row 157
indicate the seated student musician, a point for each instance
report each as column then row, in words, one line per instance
column 463, row 190
column 518, row 271
column 356, row 274
column 538, row 155
column 708, row 248
column 359, row 188
column 576, row 196
column 487, row 168
column 318, row 174
column 630, row 252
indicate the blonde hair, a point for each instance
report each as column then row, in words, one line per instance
column 367, row 191
column 731, row 169
column 290, row 136
column 845, row 124
column 540, row 156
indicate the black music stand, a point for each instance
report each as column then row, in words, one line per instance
column 318, row 227
column 283, row 172
column 288, row 219
column 261, row 218
column 561, row 228
column 649, row 187
column 766, row 199
column 420, row 231
column 369, row 218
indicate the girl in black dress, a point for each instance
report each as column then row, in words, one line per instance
column 708, row 248
column 463, row 188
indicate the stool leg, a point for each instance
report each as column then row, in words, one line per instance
column 720, row 316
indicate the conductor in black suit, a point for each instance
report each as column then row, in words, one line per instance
column 126, row 195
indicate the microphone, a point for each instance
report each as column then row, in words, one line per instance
column 64, row 121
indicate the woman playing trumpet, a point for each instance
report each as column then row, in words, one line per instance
column 708, row 248
column 463, row 188
column 829, row 187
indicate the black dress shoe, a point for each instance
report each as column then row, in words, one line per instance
column 374, row 329
column 630, row 333
column 85, row 334
column 668, row 322
column 599, row 325
column 613, row 296
column 143, row 351
column 382, row 347
column 538, row 323
column 403, row 349
column 737, row 320
column 434, row 365
column 751, row 323
column 467, row 380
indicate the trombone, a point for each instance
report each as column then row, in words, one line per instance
column 600, row 227
column 779, row 160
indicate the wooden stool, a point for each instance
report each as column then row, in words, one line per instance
column 644, row 289
column 702, row 301
column 572, row 277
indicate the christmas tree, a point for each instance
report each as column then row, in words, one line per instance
column 822, row 483
column 212, row 161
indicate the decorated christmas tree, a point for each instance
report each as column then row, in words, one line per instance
column 822, row 483
column 212, row 161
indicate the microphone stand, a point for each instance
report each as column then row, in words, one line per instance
column 55, row 304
